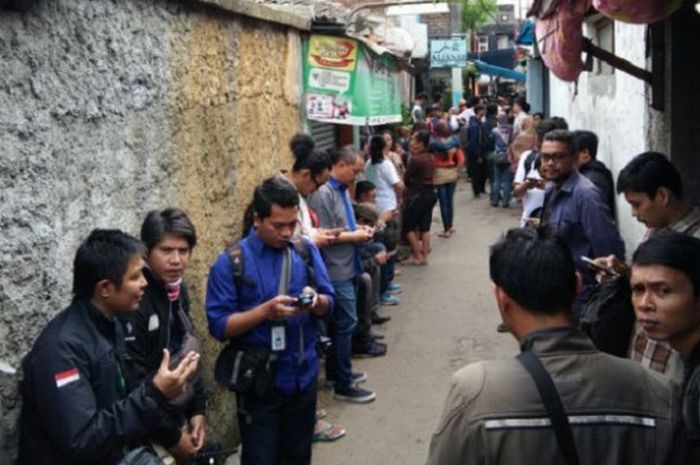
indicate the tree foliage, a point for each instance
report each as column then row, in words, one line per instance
column 476, row 12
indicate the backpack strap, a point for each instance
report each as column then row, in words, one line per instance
column 235, row 256
column 303, row 249
column 530, row 160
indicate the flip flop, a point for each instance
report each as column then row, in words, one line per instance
column 321, row 414
column 329, row 435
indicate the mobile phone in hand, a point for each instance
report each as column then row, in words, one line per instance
column 590, row 263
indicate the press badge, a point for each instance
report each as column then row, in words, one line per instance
column 279, row 338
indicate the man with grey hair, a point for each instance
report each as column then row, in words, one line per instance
column 333, row 205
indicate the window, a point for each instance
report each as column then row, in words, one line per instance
column 483, row 44
column 604, row 37
column 502, row 41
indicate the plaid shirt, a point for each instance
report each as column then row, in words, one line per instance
column 657, row 355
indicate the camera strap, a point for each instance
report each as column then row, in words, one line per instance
column 552, row 403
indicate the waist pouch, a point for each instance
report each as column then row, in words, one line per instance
column 246, row 370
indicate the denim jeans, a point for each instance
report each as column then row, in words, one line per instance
column 446, row 195
column 503, row 180
column 277, row 428
column 343, row 320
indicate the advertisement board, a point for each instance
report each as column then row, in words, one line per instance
column 448, row 53
column 346, row 83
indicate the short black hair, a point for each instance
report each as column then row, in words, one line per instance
column 105, row 254
column 522, row 103
column 306, row 157
column 422, row 96
column 674, row 250
column 423, row 136
column 586, row 140
column 648, row 172
column 363, row 187
column 472, row 100
column 491, row 109
column 534, row 267
column 170, row 220
column 538, row 113
column 561, row 135
column 274, row 191
column 560, row 123
column 544, row 126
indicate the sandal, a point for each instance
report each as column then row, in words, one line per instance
column 321, row 414
column 330, row 434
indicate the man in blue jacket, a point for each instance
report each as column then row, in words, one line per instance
column 276, row 427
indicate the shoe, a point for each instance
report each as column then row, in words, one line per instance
column 388, row 299
column 395, row 288
column 355, row 394
column 375, row 349
column 503, row 328
column 380, row 320
column 356, row 377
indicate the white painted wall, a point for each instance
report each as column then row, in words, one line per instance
column 614, row 107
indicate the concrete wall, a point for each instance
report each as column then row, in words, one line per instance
column 616, row 108
column 110, row 109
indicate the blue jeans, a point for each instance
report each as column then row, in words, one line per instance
column 446, row 196
column 342, row 324
column 502, row 180
column 277, row 428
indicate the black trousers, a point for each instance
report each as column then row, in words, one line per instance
column 477, row 171
column 277, row 429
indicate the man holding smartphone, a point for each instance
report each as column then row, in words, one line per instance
column 333, row 205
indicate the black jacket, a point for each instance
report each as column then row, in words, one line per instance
column 148, row 331
column 601, row 176
column 75, row 410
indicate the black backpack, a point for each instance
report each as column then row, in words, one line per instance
column 530, row 160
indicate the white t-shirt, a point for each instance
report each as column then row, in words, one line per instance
column 466, row 114
column 384, row 177
column 533, row 198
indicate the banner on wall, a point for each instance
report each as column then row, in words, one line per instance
column 346, row 83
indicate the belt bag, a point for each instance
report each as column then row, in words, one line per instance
column 246, row 370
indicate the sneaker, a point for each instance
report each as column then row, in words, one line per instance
column 375, row 349
column 388, row 299
column 395, row 288
column 354, row 394
column 356, row 377
column 378, row 319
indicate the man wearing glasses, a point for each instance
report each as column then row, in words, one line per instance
column 574, row 207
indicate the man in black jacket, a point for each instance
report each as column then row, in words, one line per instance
column 78, row 407
column 586, row 149
column 162, row 320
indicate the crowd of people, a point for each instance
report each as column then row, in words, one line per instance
column 115, row 378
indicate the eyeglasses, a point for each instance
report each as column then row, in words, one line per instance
column 555, row 157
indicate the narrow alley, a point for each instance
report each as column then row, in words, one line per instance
column 447, row 319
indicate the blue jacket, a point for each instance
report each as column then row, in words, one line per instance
column 297, row 366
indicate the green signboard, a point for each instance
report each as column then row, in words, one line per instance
column 346, row 83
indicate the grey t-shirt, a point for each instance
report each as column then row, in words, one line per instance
column 328, row 204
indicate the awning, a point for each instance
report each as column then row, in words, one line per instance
column 486, row 68
column 526, row 36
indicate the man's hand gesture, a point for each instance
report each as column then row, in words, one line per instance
column 172, row 383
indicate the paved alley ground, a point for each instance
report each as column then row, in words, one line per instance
column 447, row 318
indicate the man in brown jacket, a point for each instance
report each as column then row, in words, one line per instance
column 619, row 412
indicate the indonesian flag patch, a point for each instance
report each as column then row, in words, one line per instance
column 66, row 377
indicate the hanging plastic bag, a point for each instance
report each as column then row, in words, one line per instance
column 637, row 11
column 560, row 39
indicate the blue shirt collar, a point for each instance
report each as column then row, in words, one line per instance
column 337, row 185
column 256, row 245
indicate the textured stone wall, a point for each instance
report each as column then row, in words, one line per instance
column 110, row 109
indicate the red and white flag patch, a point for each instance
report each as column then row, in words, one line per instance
column 67, row 377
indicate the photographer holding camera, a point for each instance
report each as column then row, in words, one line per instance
column 265, row 295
